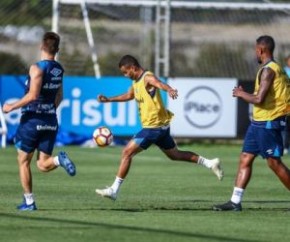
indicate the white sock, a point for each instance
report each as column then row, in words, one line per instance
column 237, row 195
column 29, row 199
column 204, row 162
column 117, row 183
column 56, row 161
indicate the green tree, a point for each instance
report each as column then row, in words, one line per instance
column 219, row 60
column 12, row 64
column 24, row 12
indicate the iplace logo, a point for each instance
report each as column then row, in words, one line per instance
column 202, row 107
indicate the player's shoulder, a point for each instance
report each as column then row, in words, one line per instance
column 149, row 75
column 269, row 69
column 35, row 68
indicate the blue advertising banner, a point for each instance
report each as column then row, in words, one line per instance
column 80, row 112
column 11, row 89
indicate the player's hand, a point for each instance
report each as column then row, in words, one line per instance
column 7, row 108
column 173, row 93
column 237, row 91
column 102, row 99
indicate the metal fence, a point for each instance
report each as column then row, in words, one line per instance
column 204, row 42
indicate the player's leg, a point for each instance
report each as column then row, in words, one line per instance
column 280, row 169
column 272, row 151
column 243, row 177
column 26, row 142
column 24, row 160
column 140, row 142
column 250, row 150
column 244, row 172
column 258, row 141
column 128, row 153
column 188, row 156
column 168, row 146
column 46, row 162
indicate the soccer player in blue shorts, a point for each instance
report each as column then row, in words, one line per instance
column 38, row 125
column 271, row 104
column 155, row 119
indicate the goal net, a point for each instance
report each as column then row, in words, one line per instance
column 208, row 39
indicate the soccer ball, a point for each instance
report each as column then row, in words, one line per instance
column 103, row 136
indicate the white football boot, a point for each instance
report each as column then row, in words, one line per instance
column 217, row 169
column 108, row 193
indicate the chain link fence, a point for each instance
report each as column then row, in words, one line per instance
column 204, row 42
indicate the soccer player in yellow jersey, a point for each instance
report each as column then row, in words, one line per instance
column 155, row 119
column 264, row 135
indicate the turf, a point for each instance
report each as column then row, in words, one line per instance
column 161, row 200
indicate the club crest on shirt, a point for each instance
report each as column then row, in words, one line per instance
column 55, row 71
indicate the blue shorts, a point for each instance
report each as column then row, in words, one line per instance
column 264, row 142
column 36, row 131
column 159, row 136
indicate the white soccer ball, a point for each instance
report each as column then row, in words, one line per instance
column 103, row 136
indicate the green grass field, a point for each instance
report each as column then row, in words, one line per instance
column 161, row 200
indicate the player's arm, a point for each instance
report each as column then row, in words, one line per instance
column 33, row 93
column 59, row 96
column 120, row 98
column 153, row 81
column 266, row 80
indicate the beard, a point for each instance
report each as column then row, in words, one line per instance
column 259, row 60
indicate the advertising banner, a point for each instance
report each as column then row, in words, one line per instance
column 204, row 107
column 80, row 113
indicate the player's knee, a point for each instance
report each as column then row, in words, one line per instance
column 127, row 156
column 173, row 156
column 41, row 166
column 126, row 153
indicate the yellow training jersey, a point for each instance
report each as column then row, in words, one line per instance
column 152, row 112
column 277, row 101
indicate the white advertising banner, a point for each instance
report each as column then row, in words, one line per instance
column 204, row 107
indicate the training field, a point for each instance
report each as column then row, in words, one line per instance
column 161, row 200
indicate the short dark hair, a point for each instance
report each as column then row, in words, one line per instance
column 50, row 42
column 128, row 60
column 267, row 41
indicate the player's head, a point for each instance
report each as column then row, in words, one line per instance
column 130, row 67
column 265, row 46
column 128, row 60
column 50, row 43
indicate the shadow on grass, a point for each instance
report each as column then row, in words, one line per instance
column 205, row 237
column 181, row 208
column 266, row 208
column 261, row 201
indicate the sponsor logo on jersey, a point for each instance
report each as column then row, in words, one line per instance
column 46, row 127
column 51, row 86
column 269, row 151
